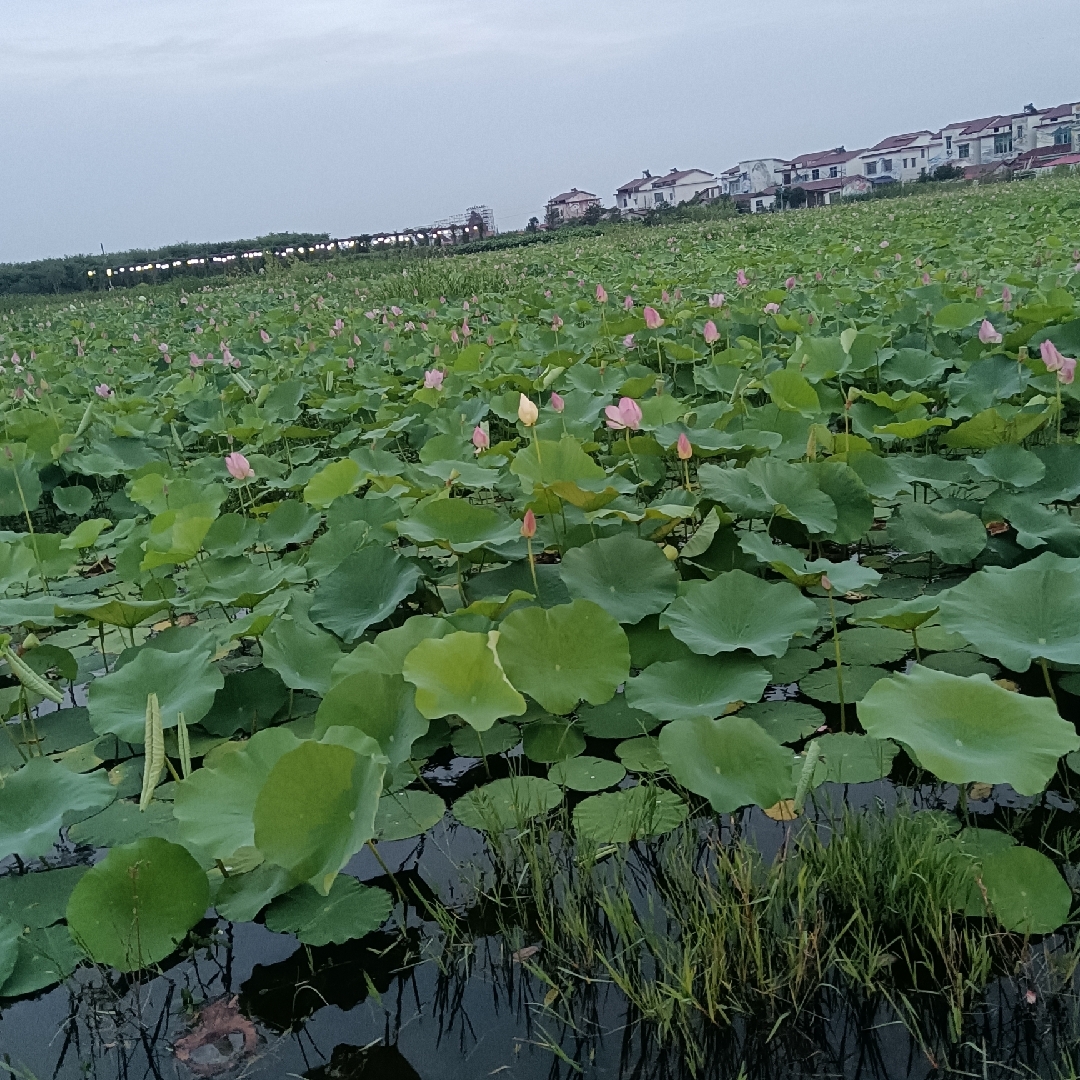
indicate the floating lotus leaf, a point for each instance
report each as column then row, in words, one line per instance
column 35, row 798
column 586, row 773
column 699, row 686
column 794, row 665
column 637, row 813
column 135, row 907
column 738, row 611
column 460, row 675
column 854, row 506
column 847, row 758
column 184, row 682
column 821, row 685
column 122, row 822
column 785, row 721
column 506, row 804
column 868, row 645
column 552, row 740
column 1026, row 892
column 458, row 525
column 1020, row 614
column 381, row 706
column 730, row 761
column 962, row 663
column 386, row 654
column 954, row 536
column 38, row 899
column 241, row 897
column 968, row 730
column 405, row 814
column 317, row 809
column 500, row 737
column 45, row 956
column 629, row 578
column 365, row 589
column 249, row 700
column 75, row 500
column 349, row 910
column 641, row 755
column 562, row 655
column 615, row 719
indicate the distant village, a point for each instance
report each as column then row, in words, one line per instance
column 1027, row 142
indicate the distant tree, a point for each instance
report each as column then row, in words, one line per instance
column 534, row 225
column 794, row 197
column 591, row 215
column 946, row 172
column 553, row 219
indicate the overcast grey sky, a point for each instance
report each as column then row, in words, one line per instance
column 132, row 123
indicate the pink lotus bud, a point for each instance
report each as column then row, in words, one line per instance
column 466, row 329
column 683, row 447
column 987, row 334
column 480, row 439
column 433, row 379
column 350, row 363
column 265, row 337
column 826, row 583
column 716, row 300
column 628, row 304
column 556, row 323
column 395, row 309
column 1006, row 297
column 163, row 347
column 135, row 338
column 196, row 360
column 925, row 278
column 103, row 391
column 652, row 318
column 789, row 283
column 712, row 335
column 601, row 295
column 883, row 245
column 664, row 298
column 557, row 402
column 454, row 336
column 771, row 309
column 628, row 341
column 979, row 290
column 238, row 466
column 528, row 525
column 741, row 279
column 1050, row 356
column 627, row 414
column 818, row 276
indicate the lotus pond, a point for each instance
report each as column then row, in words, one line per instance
column 657, row 654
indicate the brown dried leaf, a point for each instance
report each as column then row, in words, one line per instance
column 784, row 810
column 216, row 1022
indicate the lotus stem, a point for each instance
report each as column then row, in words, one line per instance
column 839, row 668
column 532, row 566
column 915, row 641
column 1046, row 679
column 389, row 873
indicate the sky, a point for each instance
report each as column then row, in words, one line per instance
column 134, row 123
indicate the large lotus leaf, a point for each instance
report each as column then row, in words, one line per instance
column 460, row 675
column 300, row 652
column 739, row 611
column 954, row 536
column 459, row 525
column 45, row 956
column 336, row 479
column 233, row 581
column 969, row 730
column 586, row 773
column 846, row 576
column 914, row 367
column 247, row 702
column 790, row 391
column 641, row 755
column 564, row 654
column 898, row 614
column 506, row 804
column 381, row 706
column 405, row 814
column 1036, row 525
column 1021, row 614
column 868, row 645
column 1010, row 464
column 34, row 799
column 37, row 899
column 132, row 909
column 854, row 507
column 821, row 685
column 1025, row 890
column 785, row 721
column 185, row 682
column 562, row 461
column 365, row 589
column 552, row 740
column 629, row 578
column 75, row 500
column 317, row 809
column 794, row 665
column 20, row 486
column 231, row 534
column 500, row 737
column 291, row 523
column 793, row 492
column 122, row 822
column 127, row 613
column 615, row 719
column 850, row 759
column 730, row 761
column 240, row 897
column 9, row 949
column 215, row 805
column 386, row 654
column 618, row 817
column 698, row 686
column 349, row 910
column 736, row 490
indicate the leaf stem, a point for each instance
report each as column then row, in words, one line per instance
column 1046, row 679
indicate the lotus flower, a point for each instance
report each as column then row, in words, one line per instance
column 557, row 402
column 652, row 318
column 979, row 290
column 789, row 283
column 716, row 300
column 771, row 309
column 265, row 337
column 1006, row 297
column 196, row 360
column 556, row 323
column 741, row 279
column 433, row 379
column 987, row 334
column 628, row 303
column 480, row 439
column 528, row 413
column 883, row 245
column 1050, row 356
column 528, row 525
column 239, row 467
column 925, row 278
column 819, row 276
column 350, row 363
column 625, row 415
column 664, row 298
column 712, row 335
column 601, row 295
column 395, row 309
column 1067, row 370
column 103, row 391
column 826, row 584
column 466, row 329
column 683, row 447
column 628, row 341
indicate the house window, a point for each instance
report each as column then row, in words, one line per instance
column 948, row 142
column 1063, row 136
column 963, row 150
column 922, row 153
column 815, row 174
column 886, row 165
column 832, row 171
column 787, row 178
column 760, row 204
column 1003, row 143
column 1019, row 132
column 871, row 168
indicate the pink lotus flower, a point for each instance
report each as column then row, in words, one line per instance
column 239, row 467
column 135, row 338
column 925, row 278
column 771, row 309
column 818, row 276
column 683, row 447
column 883, row 245
column 628, row 341
column 350, row 363
column 556, row 323
column 1006, row 297
column 454, row 336
column 466, row 329
column 163, row 347
column 979, row 290
column 987, row 334
column 628, row 303
column 652, row 318
column 789, row 283
column 528, row 525
column 196, row 360
column 627, row 414
column 480, row 439
column 741, row 279
column 557, row 402
column 433, row 379
column 265, row 337
column 103, row 391
column 395, row 309
column 18, row 393
column 664, row 298
column 717, row 300
column 356, row 339
column 601, row 295
column 678, row 296
column 712, row 335
column 1054, row 361
column 1067, row 370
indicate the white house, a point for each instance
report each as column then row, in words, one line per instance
column 755, row 175
column 899, row 157
column 678, row 186
column 825, row 164
column 571, row 205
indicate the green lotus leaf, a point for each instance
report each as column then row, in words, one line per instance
column 586, row 773
column 248, row 701
column 562, row 655
column 405, row 814
column 793, row 666
column 629, row 578
column 75, row 500
column 847, row 758
column 969, row 730
column 821, row 685
column 914, row 367
column 637, row 813
column 185, row 682
column 898, row 614
column 132, row 909
column 291, row 523
column 698, row 686
column 962, row 663
column 868, row 645
column 233, row 581
column 35, row 798
column 641, row 755
column 500, row 737
column 381, row 706
column 460, row 675
column 330, row 483
column 954, row 536
column 847, row 576
column 1026, row 891
column 20, row 485
column 122, row 822
column 302, row 654
column 349, row 910
column 558, row 461
column 615, row 719
column 792, row 491
column 38, row 899
column 231, row 534
column 1010, row 464
column 791, row 392
column 316, row 809
column 126, row 613
column 458, row 525
column 9, row 949
column 386, row 654
column 45, row 956
column 552, row 740
column 785, row 721
column 739, row 611
column 506, row 804
column 1021, row 614
column 854, row 506
column 365, row 589
column 730, row 761
column 215, row 806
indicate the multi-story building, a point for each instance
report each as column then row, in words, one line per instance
column 570, row 205
column 647, row 192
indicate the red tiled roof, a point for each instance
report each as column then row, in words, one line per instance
column 675, row 176
column 1030, row 158
column 896, row 142
column 635, row 184
column 1065, row 159
column 573, row 195
column 825, row 157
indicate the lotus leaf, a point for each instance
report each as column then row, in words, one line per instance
column 586, row 773
column 698, row 686
column 618, row 817
column 821, row 685
column 364, row 590
column 241, row 897
column 954, row 536
column 405, row 814
column 785, row 721
column 386, row 654
column 458, row 525
column 249, row 700
column 552, row 740
column 615, row 719
column 38, row 899
column 381, row 706
column 301, row 653
column 122, row 822
column 506, row 804
column 850, row 759
column 500, row 737
column 348, row 910
column 1026, row 892
column 869, row 645
column 45, row 956
column 641, row 755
